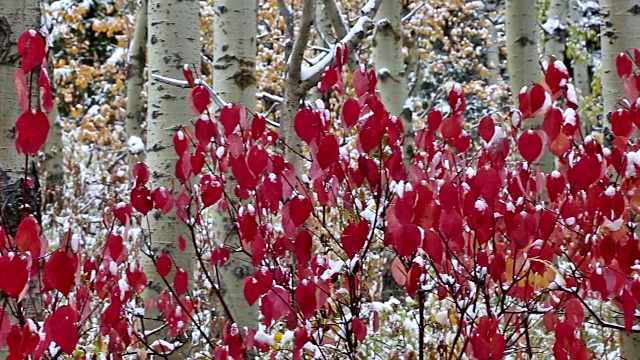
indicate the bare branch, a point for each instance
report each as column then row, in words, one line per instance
column 370, row 9
column 334, row 15
column 217, row 100
column 413, row 12
column 297, row 53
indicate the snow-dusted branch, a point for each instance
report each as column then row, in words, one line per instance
column 184, row 84
column 413, row 12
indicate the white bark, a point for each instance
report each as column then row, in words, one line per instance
column 522, row 52
column 135, row 75
column 173, row 41
column 234, row 51
column 387, row 55
column 390, row 66
column 620, row 31
column 580, row 66
column 493, row 48
column 555, row 43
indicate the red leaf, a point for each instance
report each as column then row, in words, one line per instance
column 211, row 190
column 163, row 199
column 433, row 246
column 200, row 99
column 32, row 129
column 399, row 271
column 164, row 265
column 540, row 100
column 62, row 328
column 354, row 237
column 303, row 245
column 180, row 282
column 141, row 173
column 329, row 79
column 251, row 290
column 457, row 99
column 359, row 329
column 220, row 256
column 257, row 160
column 300, row 208
column 410, row 240
column 59, row 272
column 182, row 243
column 32, row 47
column 530, row 146
column 307, row 125
column 180, row 142
column 20, row 83
column 364, row 81
column 552, row 123
column 258, row 126
column 47, row 94
column 434, row 119
column 13, row 285
column 205, row 130
column 624, row 66
column 305, row 296
column 329, row 152
column 231, row 116
column 188, row 75
column 621, row 123
column 487, row 128
column 350, row 113
column 28, row 236
column 141, row 199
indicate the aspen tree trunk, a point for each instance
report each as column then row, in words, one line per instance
column 493, row 48
column 234, row 51
column 580, row 67
column 555, row 42
column 16, row 17
column 173, row 41
column 389, row 64
column 522, row 52
column 234, row 54
column 135, row 74
column 620, row 31
column 54, row 163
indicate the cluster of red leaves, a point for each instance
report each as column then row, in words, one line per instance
column 465, row 221
column 32, row 127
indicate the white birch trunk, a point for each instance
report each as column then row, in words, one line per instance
column 555, row 43
column 620, row 31
column 493, row 48
column 390, row 67
column 387, row 55
column 522, row 52
column 234, row 53
column 135, row 74
column 580, row 66
column 173, row 41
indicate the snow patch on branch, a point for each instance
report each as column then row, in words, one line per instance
column 308, row 72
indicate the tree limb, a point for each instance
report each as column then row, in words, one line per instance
column 334, row 15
